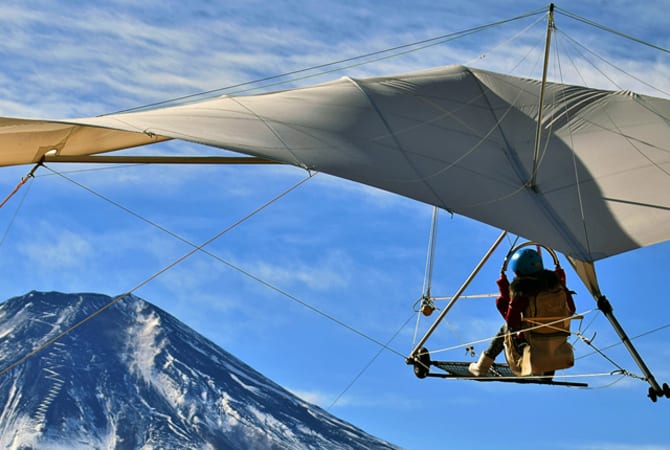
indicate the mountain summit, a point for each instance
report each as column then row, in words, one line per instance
column 135, row 377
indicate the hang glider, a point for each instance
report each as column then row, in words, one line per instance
column 455, row 137
column 583, row 171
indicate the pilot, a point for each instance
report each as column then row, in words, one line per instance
column 530, row 279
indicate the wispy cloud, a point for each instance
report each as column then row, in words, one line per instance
column 319, row 276
column 614, row 445
column 333, row 401
column 110, row 58
column 56, row 249
column 356, row 252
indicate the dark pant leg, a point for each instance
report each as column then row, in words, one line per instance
column 497, row 344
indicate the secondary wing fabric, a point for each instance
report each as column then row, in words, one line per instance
column 455, row 137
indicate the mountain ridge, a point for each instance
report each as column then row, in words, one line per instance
column 137, row 377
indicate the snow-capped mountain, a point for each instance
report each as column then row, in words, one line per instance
column 135, row 377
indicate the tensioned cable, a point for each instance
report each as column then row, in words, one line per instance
column 550, row 128
column 575, row 167
column 449, row 38
column 585, row 328
column 96, row 168
column 187, row 255
column 604, row 60
column 540, row 378
column 455, row 117
column 481, row 140
column 205, row 244
column 16, row 213
column 227, row 263
column 369, row 364
column 23, row 181
column 580, row 49
column 201, row 248
column 616, row 344
column 600, row 351
column 573, row 64
column 69, row 330
column 156, row 225
column 406, row 48
column 610, row 30
column 155, row 275
column 615, row 129
column 474, row 147
column 651, row 86
column 620, row 370
column 506, row 42
column 479, row 341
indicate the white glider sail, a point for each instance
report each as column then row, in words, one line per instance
column 455, row 137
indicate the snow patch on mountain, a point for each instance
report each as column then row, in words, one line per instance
column 135, row 377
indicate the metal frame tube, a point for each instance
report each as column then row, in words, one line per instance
column 606, row 307
column 127, row 159
column 538, row 131
column 417, row 348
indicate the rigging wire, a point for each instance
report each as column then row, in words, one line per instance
column 482, row 139
column 425, row 305
column 575, row 165
column 23, row 181
column 619, row 369
column 515, row 189
column 616, row 344
column 196, row 248
column 614, row 128
column 509, row 41
column 611, row 65
column 200, row 248
column 541, row 378
column 369, row 364
column 430, row 257
column 610, row 30
column 16, row 213
column 581, row 337
column 578, row 47
column 588, row 342
column 488, row 339
column 387, row 53
column 118, row 298
column 392, row 53
column 95, row 168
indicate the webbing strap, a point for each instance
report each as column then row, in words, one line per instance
column 23, row 181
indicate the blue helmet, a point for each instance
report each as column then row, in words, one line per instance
column 526, row 262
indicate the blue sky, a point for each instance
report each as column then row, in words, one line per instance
column 354, row 253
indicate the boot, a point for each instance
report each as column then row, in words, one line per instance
column 481, row 367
